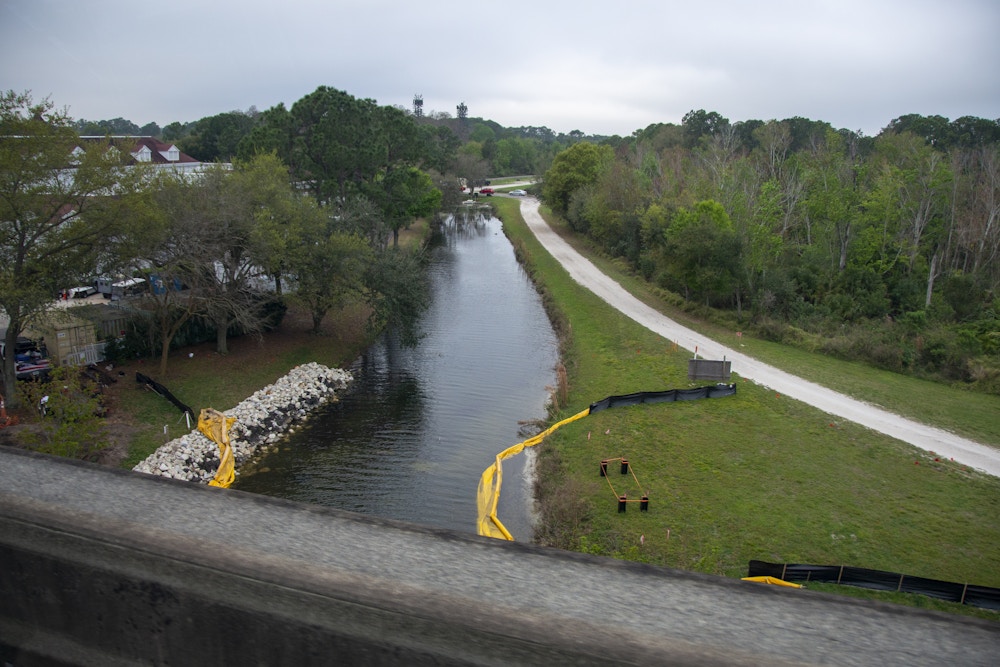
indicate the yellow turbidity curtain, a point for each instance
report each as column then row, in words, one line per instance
column 215, row 426
column 489, row 484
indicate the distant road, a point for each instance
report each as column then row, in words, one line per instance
column 968, row 452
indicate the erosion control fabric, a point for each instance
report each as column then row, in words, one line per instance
column 977, row 596
column 488, row 496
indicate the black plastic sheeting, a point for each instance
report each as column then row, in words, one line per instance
column 668, row 396
column 162, row 391
column 976, row 596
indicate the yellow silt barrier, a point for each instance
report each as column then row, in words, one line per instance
column 773, row 581
column 488, row 496
column 215, row 426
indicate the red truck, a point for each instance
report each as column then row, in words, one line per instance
column 486, row 191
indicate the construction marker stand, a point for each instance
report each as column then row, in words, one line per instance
column 622, row 497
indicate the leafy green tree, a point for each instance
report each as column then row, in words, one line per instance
column 338, row 143
column 217, row 138
column 700, row 124
column 833, row 196
column 404, row 195
column 150, row 130
column 56, row 215
column 439, row 147
column 703, row 253
column 362, row 217
column 935, row 130
column 515, row 156
column 913, row 182
column 179, row 243
column 176, row 131
column 763, row 245
column 806, row 134
column 482, row 132
column 578, row 166
column 330, row 265
column 972, row 132
column 238, row 201
column 218, row 236
column 470, row 165
column 115, row 126
column 280, row 217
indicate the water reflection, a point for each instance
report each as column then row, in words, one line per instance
column 412, row 438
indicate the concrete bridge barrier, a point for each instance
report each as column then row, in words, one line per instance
column 109, row 567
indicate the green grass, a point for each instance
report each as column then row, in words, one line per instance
column 753, row 476
column 973, row 415
column 507, row 180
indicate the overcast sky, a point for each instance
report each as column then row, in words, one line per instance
column 599, row 67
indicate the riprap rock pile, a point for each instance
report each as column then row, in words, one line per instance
column 261, row 419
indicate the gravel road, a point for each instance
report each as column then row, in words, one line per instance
column 943, row 443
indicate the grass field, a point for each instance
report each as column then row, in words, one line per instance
column 756, row 475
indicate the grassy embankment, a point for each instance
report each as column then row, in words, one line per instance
column 757, row 475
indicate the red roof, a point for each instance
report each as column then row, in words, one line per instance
column 159, row 151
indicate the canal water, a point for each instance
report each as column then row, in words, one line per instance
column 413, row 436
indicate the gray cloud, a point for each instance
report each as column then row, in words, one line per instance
column 600, row 67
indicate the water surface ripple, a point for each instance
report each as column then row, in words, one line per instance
column 412, row 438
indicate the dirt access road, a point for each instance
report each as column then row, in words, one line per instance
column 973, row 454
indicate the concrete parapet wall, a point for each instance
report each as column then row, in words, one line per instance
column 109, row 567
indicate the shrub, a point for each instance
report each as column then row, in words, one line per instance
column 69, row 422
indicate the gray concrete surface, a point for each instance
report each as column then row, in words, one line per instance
column 108, row 567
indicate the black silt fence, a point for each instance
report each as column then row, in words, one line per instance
column 976, row 596
column 162, row 391
column 668, row 396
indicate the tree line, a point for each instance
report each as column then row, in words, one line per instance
column 878, row 248
column 475, row 148
column 883, row 249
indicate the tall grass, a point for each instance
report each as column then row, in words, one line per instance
column 752, row 476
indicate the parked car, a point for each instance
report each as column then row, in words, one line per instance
column 35, row 368
column 519, row 193
column 126, row 288
column 29, row 362
column 82, row 292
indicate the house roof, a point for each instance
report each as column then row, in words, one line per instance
column 146, row 149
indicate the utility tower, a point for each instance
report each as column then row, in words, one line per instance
column 418, row 105
column 463, row 111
